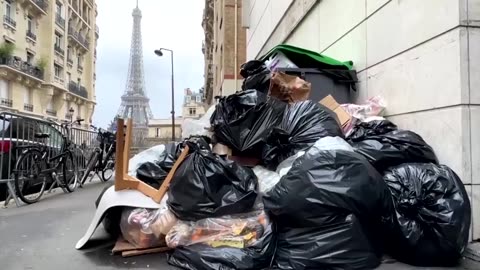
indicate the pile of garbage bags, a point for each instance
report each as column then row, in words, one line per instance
column 321, row 196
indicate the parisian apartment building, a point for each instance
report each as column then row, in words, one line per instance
column 47, row 58
column 224, row 48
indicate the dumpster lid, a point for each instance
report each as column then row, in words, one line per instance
column 308, row 59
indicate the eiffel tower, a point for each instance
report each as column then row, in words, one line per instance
column 135, row 103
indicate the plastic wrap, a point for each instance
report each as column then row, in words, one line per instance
column 201, row 126
column 385, row 146
column 138, row 226
column 340, row 244
column 303, row 123
column 204, row 257
column 256, row 76
column 238, row 231
column 433, row 215
column 242, row 121
column 360, row 113
column 207, row 185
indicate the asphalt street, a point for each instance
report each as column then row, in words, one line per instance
column 43, row 235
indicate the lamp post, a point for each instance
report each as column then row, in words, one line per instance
column 159, row 52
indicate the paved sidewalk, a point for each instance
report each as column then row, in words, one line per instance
column 42, row 236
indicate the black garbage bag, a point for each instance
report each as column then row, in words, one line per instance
column 169, row 156
column 314, row 199
column 302, row 125
column 384, row 145
column 151, row 174
column 207, row 185
column 339, row 244
column 203, row 257
column 256, row 76
column 243, row 120
column 433, row 215
column 324, row 183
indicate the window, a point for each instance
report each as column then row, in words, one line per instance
column 192, row 111
column 69, row 77
column 27, row 96
column 58, row 40
column 59, row 9
column 30, row 24
column 198, row 99
column 30, row 58
column 4, row 89
column 157, row 134
column 8, row 8
column 58, row 71
column 189, row 98
column 69, row 53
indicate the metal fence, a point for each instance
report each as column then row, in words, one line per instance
column 19, row 130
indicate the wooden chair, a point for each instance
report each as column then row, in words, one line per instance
column 122, row 156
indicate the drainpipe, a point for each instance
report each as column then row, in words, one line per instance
column 236, row 45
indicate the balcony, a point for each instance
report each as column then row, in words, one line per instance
column 59, row 80
column 69, row 61
column 28, row 107
column 9, row 21
column 51, row 112
column 59, row 50
column 31, row 35
column 60, row 21
column 77, row 89
column 41, row 6
column 80, row 67
column 6, row 102
column 16, row 63
column 81, row 40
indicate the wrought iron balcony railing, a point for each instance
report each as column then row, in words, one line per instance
column 22, row 66
column 59, row 50
column 9, row 20
column 31, row 35
column 60, row 21
column 78, row 37
column 28, row 107
column 77, row 89
column 6, row 102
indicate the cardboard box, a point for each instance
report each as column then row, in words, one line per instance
column 343, row 116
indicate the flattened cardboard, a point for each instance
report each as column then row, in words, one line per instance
column 343, row 116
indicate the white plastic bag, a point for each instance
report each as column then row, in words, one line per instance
column 266, row 179
column 149, row 155
column 198, row 126
column 374, row 106
column 325, row 143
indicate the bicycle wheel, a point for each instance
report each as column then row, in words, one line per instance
column 69, row 172
column 30, row 181
column 107, row 172
column 92, row 162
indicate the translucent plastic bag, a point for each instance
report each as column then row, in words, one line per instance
column 191, row 127
column 360, row 113
column 237, row 231
column 149, row 155
column 266, row 179
column 146, row 228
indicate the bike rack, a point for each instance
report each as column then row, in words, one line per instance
column 123, row 180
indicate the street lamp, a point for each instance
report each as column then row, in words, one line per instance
column 159, row 53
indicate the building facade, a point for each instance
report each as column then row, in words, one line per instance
column 193, row 105
column 224, row 47
column 160, row 131
column 422, row 57
column 47, row 58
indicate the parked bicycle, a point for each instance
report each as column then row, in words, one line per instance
column 35, row 166
column 102, row 160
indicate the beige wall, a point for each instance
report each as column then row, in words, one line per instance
column 164, row 132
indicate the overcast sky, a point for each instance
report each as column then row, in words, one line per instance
column 170, row 24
